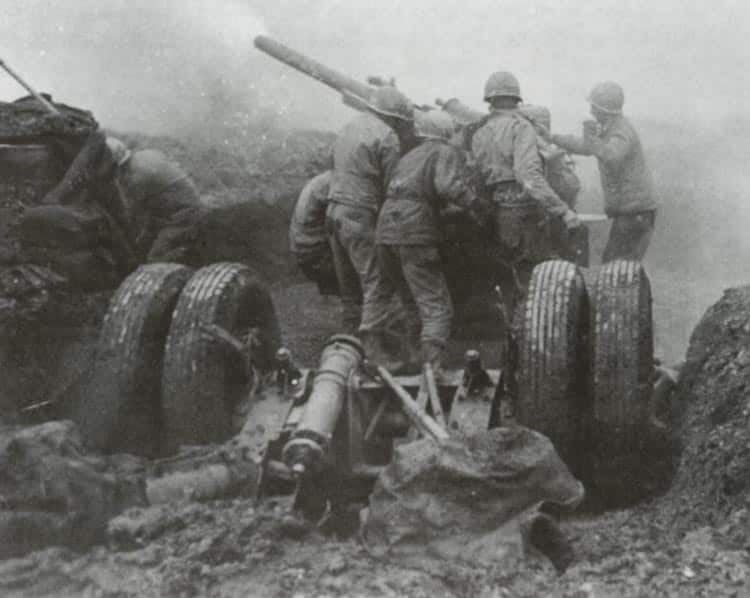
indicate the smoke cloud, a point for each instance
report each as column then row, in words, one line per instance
column 156, row 66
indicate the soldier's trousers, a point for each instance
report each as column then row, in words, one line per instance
column 524, row 240
column 415, row 273
column 351, row 233
column 629, row 236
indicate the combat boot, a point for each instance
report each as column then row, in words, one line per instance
column 378, row 351
column 412, row 362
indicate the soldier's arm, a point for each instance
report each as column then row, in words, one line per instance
column 388, row 153
column 529, row 172
column 612, row 149
column 573, row 144
column 92, row 161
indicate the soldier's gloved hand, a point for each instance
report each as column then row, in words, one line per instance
column 590, row 129
column 571, row 220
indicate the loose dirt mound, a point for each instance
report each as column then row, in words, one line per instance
column 51, row 492
column 712, row 485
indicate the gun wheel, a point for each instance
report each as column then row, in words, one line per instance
column 204, row 379
column 622, row 349
column 120, row 410
column 551, row 349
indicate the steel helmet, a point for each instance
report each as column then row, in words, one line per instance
column 389, row 101
column 502, row 83
column 433, row 124
column 608, row 97
column 120, row 152
column 538, row 115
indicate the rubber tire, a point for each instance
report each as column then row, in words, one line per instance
column 201, row 383
column 552, row 358
column 622, row 349
column 120, row 410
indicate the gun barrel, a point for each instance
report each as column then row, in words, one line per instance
column 312, row 68
column 459, row 111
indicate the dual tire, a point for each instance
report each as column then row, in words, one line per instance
column 586, row 358
column 160, row 381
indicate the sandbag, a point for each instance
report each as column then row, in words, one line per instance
column 462, row 499
column 26, row 119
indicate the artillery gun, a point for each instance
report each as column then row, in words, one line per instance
column 197, row 356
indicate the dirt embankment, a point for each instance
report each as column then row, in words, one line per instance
column 712, row 486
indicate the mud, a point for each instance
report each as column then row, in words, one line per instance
column 680, row 544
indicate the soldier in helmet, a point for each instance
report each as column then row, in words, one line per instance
column 559, row 168
column 150, row 201
column 365, row 152
column 626, row 181
column 162, row 198
column 427, row 181
column 507, row 154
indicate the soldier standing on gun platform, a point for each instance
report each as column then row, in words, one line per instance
column 427, row 182
column 365, row 152
column 510, row 167
column 626, row 181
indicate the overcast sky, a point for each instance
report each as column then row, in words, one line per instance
column 149, row 64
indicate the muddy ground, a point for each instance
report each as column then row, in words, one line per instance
column 692, row 541
column 236, row 547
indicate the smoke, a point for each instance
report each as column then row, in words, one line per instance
column 157, row 66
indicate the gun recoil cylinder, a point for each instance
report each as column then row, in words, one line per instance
column 306, row 451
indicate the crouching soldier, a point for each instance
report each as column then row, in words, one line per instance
column 428, row 181
column 307, row 235
column 162, row 199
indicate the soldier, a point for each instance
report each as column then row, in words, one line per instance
column 161, row 198
column 507, row 155
column 427, row 181
column 307, row 238
column 365, row 152
column 626, row 181
column 559, row 168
